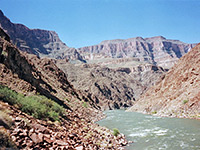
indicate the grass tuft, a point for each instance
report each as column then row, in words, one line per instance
column 154, row 112
column 85, row 104
column 116, row 132
column 185, row 101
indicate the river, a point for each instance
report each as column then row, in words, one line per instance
column 154, row 133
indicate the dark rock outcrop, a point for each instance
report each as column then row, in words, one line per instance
column 42, row 43
column 111, row 89
column 147, row 74
column 4, row 35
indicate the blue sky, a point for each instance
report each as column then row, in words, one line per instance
column 88, row 22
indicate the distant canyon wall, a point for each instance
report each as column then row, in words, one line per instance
column 155, row 50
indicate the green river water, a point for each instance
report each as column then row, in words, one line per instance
column 154, row 133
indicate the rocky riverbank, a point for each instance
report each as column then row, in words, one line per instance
column 75, row 133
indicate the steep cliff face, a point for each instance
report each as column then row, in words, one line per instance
column 3, row 35
column 178, row 94
column 109, row 88
column 156, row 50
column 26, row 73
column 43, row 43
column 147, row 74
column 33, row 77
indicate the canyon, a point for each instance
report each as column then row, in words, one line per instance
column 113, row 74
column 178, row 93
column 98, row 80
column 23, row 77
column 155, row 50
column 153, row 75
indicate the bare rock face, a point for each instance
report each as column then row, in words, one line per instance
column 4, row 35
column 111, row 89
column 43, row 43
column 156, row 50
column 27, row 74
column 147, row 74
column 178, row 93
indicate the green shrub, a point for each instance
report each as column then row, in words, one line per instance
column 85, row 104
column 185, row 101
column 38, row 106
column 4, row 53
column 8, row 95
column 53, row 115
column 116, row 132
column 154, row 112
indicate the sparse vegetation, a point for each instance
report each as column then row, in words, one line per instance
column 116, row 132
column 154, row 112
column 4, row 53
column 185, row 101
column 67, row 99
column 85, row 104
column 38, row 106
column 72, row 93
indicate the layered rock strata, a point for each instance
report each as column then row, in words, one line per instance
column 178, row 93
column 109, row 88
column 155, row 50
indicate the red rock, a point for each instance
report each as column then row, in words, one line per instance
column 37, row 39
column 17, row 131
column 139, row 48
column 36, row 139
column 48, row 140
column 41, row 128
column 71, row 136
column 29, row 143
column 18, row 119
column 23, row 133
column 40, row 137
column 31, row 131
column 47, row 135
column 59, row 142
column 79, row 148
column 167, row 97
